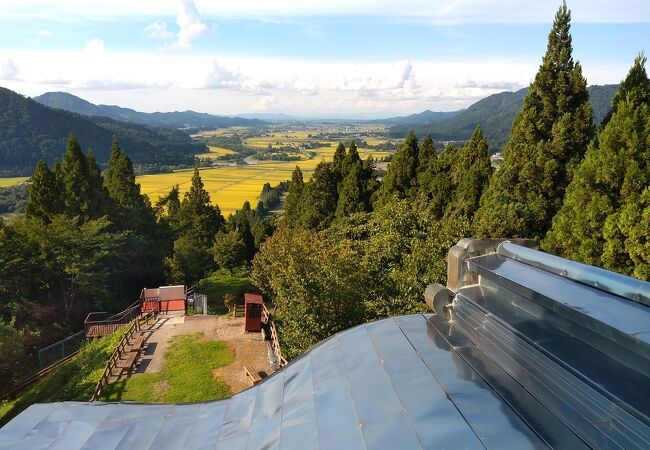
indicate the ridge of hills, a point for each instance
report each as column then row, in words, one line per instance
column 494, row 114
column 30, row 131
column 175, row 119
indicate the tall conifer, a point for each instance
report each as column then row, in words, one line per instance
column 549, row 137
column 292, row 203
column 604, row 203
column 426, row 152
column 401, row 178
column 44, row 194
column 76, row 185
column 470, row 174
column 353, row 195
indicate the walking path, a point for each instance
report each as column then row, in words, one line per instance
column 249, row 348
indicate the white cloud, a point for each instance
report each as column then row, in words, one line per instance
column 189, row 24
column 264, row 103
column 396, row 80
column 95, row 47
column 8, row 69
column 45, row 33
column 221, row 77
column 223, row 84
column 158, row 30
column 190, row 27
column 492, row 85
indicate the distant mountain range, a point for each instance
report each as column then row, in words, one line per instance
column 495, row 114
column 30, row 131
column 422, row 119
column 271, row 117
column 176, row 119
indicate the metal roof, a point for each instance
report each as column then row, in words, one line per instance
column 531, row 352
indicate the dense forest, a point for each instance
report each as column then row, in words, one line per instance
column 30, row 132
column 91, row 241
column 349, row 247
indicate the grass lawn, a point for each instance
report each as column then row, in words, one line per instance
column 75, row 380
column 223, row 282
column 186, row 375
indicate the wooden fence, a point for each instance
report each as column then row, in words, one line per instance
column 136, row 326
column 275, row 342
column 34, row 378
column 98, row 324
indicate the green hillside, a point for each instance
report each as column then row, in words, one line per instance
column 495, row 115
column 74, row 380
column 30, row 131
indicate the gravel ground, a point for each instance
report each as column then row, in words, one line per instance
column 249, row 348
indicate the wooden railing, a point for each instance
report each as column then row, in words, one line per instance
column 34, row 378
column 275, row 342
column 136, row 326
column 149, row 304
column 98, row 324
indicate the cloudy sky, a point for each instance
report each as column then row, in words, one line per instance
column 308, row 57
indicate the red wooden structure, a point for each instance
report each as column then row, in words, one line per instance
column 253, row 312
column 163, row 299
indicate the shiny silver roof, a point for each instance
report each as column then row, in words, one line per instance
column 528, row 357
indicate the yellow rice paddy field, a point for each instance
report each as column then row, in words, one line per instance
column 6, row 182
column 230, row 187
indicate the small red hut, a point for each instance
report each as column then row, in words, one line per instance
column 253, row 312
column 164, row 299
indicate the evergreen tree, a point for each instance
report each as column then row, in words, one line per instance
column 401, row 178
column 351, row 159
column 469, row 175
column 97, row 194
column 353, row 196
column 198, row 216
column 147, row 243
column 604, row 204
column 319, row 200
column 339, row 157
column 635, row 85
column 369, row 175
column 119, row 180
column 199, row 222
column 426, row 153
column 436, row 187
column 292, row 204
column 242, row 224
column 549, row 137
column 76, row 185
column 44, row 194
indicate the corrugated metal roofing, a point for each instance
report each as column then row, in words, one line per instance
column 531, row 358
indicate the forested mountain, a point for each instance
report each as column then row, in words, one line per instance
column 30, row 132
column 495, row 115
column 427, row 117
column 176, row 119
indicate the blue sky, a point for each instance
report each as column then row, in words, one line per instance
column 309, row 58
